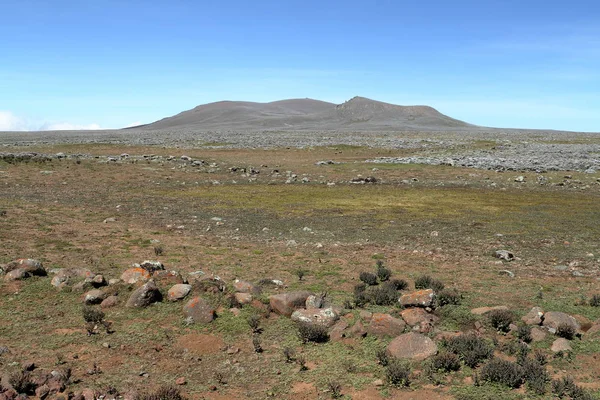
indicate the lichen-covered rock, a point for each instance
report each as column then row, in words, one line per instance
column 413, row 346
column 144, row 296
column 178, row 292
column 533, row 317
column 199, row 310
column 30, row 266
column 94, row 296
column 316, row 316
column 419, row 298
column 135, row 275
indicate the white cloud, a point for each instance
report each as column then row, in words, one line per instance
column 66, row 126
column 10, row 122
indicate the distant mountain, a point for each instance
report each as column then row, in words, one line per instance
column 356, row 114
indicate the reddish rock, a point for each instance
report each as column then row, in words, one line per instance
column 553, row 319
column 534, row 316
column 243, row 298
column 316, row 316
column 199, row 310
column 42, row 391
column 16, row 275
column 386, row 325
column 538, row 334
column 167, row 278
column 109, row 302
column 420, row 298
column 135, row 275
column 144, row 296
column 413, row 346
column 561, row 345
column 338, row 331
column 358, row 330
column 30, row 266
column 245, row 287
column 179, row 292
column 287, row 303
column 485, row 310
column 418, row 316
column 180, row 381
column 366, row 315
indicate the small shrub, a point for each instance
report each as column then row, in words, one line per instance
column 535, row 376
column 471, row 349
column 398, row 284
column 397, row 373
column 312, row 333
column 382, row 357
column 383, row 295
column 254, row 323
column 595, row 300
column 92, row 315
column 301, row 361
column 158, row 250
column 360, row 299
column 257, row 344
column 500, row 319
column 22, row 382
column 566, row 331
column 445, row 362
column 427, row 282
column 448, row 296
column 335, row 388
column 501, row 371
column 162, row 393
column 565, row 386
column 524, row 333
column 300, row 273
column 349, row 366
column 383, row 273
column 360, row 288
column 540, row 357
column 289, row 354
column 522, row 352
column 368, row 278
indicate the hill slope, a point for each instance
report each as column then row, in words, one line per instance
column 358, row 114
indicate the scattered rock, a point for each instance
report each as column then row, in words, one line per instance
column 150, row 266
column 144, row 295
column 29, row 266
column 198, row 310
column 110, row 219
column 135, row 275
column 110, row 301
column 538, row 334
column 358, row 330
column 561, row 345
column 419, row 318
column 413, row 346
column 245, row 287
column 506, row 272
column 504, row 255
column 313, row 301
column 534, row 316
column 338, row 331
column 287, row 303
column 178, row 292
column 95, row 296
column 167, row 278
column 553, row 319
column 180, row 381
column 316, row 316
column 386, row 325
column 243, row 298
column 485, row 310
column 420, row 298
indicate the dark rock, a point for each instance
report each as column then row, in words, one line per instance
column 144, row 295
column 198, row 310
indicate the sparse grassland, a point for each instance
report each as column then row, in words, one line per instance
column 440, row 221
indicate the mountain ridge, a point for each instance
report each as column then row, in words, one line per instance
column 357, row 113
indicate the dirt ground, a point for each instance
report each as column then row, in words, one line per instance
column 437, row 220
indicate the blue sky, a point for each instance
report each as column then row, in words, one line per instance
column 110, row 64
